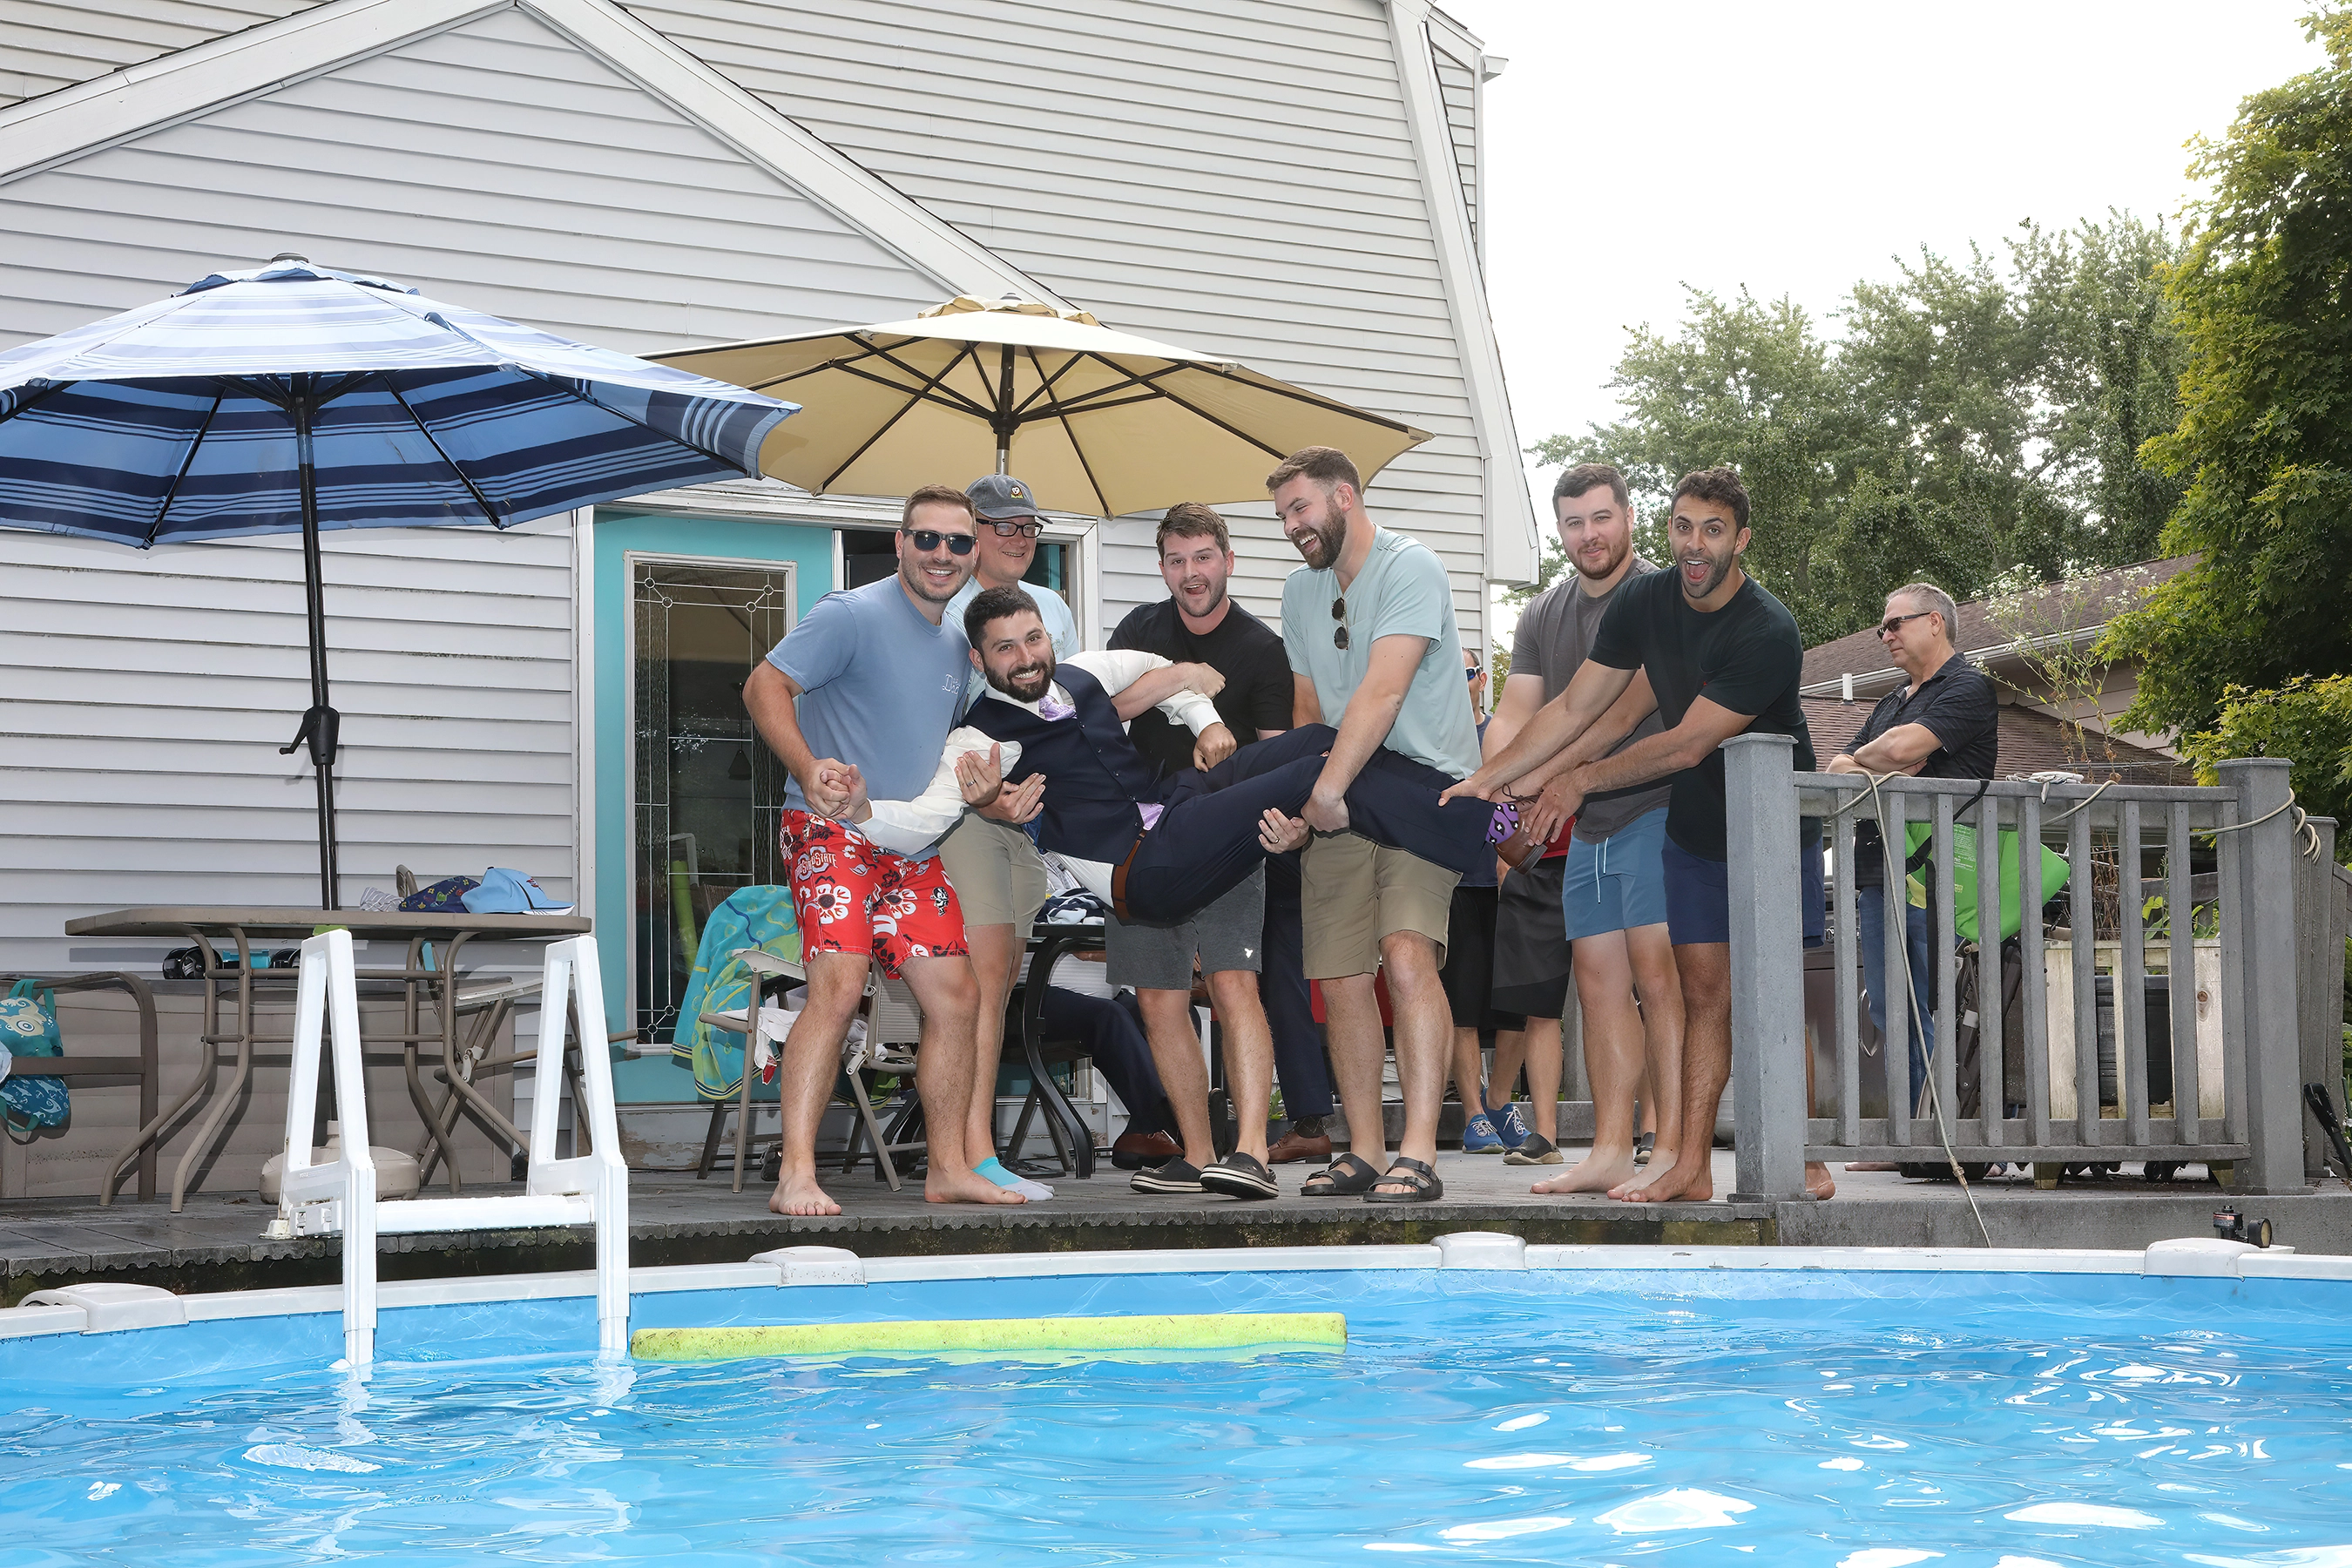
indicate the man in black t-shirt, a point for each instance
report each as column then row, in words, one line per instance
column 1249, row 938
column 1944, row 724
column 1721, row 657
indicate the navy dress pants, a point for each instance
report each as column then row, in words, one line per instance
column 1206, row 840
column 1298, row 1061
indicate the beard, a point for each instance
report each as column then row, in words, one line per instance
column 910, row 573
column 1609, row 563
column 1717, row 570
column 1324, row 538
column 1025, row 683
column 1217, row 594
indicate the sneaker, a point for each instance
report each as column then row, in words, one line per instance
column 1538, row 1149
column 1172, row 1176
column 1644, row 1146
column 1479, row 1136
column 1508, row 1126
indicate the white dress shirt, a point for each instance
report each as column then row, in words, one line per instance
column 911, row 827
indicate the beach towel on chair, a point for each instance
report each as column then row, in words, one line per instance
column 722, row 983
column 28, row 1025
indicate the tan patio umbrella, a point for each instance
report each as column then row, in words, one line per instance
column 1095, row 420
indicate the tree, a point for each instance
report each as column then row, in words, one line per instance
column 2263, row 299
column 1743, row 382
column 1974, row 417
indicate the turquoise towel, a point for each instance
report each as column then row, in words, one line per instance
column 722, row 983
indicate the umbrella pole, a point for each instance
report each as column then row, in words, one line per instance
column 321, row 724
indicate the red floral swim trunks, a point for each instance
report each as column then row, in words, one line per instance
column 852, row 896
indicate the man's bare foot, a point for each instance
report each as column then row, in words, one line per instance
column 1596, row 1173
column 964, row 1188
column 1818, row 1180
column 801, row 1196
column 1661, row 1161
column 1691, row 1181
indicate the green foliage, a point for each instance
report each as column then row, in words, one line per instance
column 1973, row 418
column 2309, row 720
column 2264, row 302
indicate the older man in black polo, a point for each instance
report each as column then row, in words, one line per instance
column 1943, row 725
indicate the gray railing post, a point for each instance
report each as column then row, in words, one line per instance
column 2319, row 968
column 1767, row 969
column 2266, row 951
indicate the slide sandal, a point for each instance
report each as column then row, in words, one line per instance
column 1425, row 1187
column 1347, row 1176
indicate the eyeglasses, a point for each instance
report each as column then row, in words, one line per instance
column 1029, row 530
column 1471, row 672
column 1339, row 632
column 927, row 539
column 1892, row 623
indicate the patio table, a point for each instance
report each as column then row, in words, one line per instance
column 427, row 980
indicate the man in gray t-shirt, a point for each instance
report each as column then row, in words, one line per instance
column 1611, row 882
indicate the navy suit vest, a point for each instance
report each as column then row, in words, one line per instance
column 1098, row 778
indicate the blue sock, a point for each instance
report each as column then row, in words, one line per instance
column 994, row 1169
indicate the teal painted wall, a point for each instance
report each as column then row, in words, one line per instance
column 618, row 532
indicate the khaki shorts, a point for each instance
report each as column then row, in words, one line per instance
column 1355, row 892
column 995, row 870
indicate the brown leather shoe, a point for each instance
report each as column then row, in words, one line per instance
column 1134, row 1151
column 1294, row 1146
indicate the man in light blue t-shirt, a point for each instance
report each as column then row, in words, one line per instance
column 1374, row 653
column 857, row 702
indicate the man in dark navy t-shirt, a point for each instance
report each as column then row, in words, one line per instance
column 1721, row 657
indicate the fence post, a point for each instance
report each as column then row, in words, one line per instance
column 2320, row 990
column 2266, row 950
column 1767, row 969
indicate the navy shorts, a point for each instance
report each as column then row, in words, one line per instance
column 1698, row 894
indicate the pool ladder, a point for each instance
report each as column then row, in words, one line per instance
column 338, row 1197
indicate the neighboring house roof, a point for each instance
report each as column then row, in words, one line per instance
column 1989, row 627
column 2032, row 742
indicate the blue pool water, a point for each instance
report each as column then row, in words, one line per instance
column 1871, row 1421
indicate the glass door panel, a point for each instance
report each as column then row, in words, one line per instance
column 705, row 792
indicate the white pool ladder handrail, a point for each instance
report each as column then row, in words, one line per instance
column 339, row 1196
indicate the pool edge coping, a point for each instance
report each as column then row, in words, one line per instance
column 78, row 1310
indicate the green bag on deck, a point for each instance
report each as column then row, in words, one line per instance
column 1918, row 863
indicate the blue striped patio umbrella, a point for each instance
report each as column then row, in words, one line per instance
column 298, row 399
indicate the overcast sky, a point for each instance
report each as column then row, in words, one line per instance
column 1630, row 149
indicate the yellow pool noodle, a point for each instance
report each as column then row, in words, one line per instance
column 1001, row 1336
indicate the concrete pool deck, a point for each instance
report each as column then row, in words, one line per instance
column 216, row 1243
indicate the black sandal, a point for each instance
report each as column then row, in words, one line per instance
column 1239, row 1175
column 1349, row 1176
column 1424, row 1187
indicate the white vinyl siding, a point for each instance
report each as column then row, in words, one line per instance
column 147, row 697
column 144, row 695
column 1457, row 89
column 49, row 44
column 1236, row 176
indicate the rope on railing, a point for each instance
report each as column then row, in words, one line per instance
column 2307, row 837
column 1911, row 998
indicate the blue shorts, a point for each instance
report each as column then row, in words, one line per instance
column 1619, row 883
column 1698, row 894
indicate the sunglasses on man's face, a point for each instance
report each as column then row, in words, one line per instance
column 1892, row 623
column 1471, row 672
column 925, row 540
column 1006, row 529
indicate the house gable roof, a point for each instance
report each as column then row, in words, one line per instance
column 2032, row 742
column 2086, row 605
column 53, row 129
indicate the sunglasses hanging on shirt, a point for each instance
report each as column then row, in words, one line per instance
column 1339, row 632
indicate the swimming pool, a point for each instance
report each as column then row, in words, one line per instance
column 1597, row 1405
